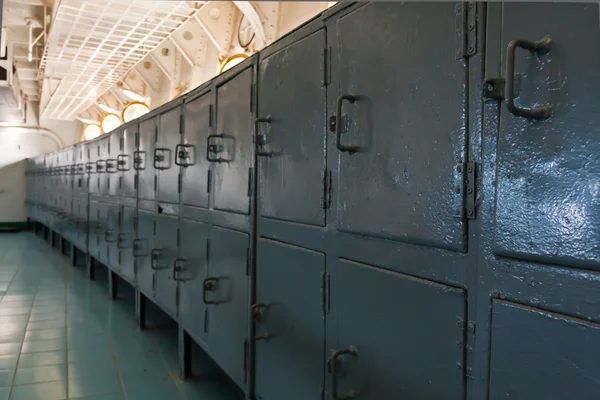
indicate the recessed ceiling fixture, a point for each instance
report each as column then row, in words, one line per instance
column 92, row 131
column 133, row 95
column 110, row 122
column 134, row 110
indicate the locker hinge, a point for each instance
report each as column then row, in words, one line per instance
column 177, row 297
column 153, row 282
column 155, row 132
column 464, row 189
column 252, row 96
column 135, row 182
column 208, row 181
column 325, row 66
column 248, row 261
column 178, row 237
column 250, row 181
column 207, row 250
column 121, row 143
column 210, row 115
column 155, row 182
column 181, row 123
column 246, row 358
column 326, row 189
column 325, row 283
column 470, row 340
column 137, row 140
column 466, row 29
column 179, row 183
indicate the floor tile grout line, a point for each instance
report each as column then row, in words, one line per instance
column 174, row 377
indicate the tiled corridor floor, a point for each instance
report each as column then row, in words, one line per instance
column 61, row 337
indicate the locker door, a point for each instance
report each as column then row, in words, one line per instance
column 127, row 181
column 548, row 195
column 125, row 242
column 102, row 166
column 169, row 136
column 233, row 144
column 102, row 229
column 196, row 130
column 288, row 320
column 226, row 290
column 94, row 228
column 111, row 234
column 143, row 159
column 115, row 148
column 291, row 138
column 401, row 137
column 94, row 168
column 142, row 250
column 192, row 270
column 165, row 255
column 392, row 336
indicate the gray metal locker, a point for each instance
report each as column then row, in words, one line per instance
column 111, row 235
column 102, row 165
column 399, row 139
column 125, row 242
column 225, row 293
column 163, row 255
column 191, row 270
column 95, row 228
column 94, row 167
column 291, row 132
column 127, row 181
column 144, row 248
column 391, row 335
column 289, row 330
column 231, row 148
column 143, row 158
column 169, row 137
column 115, row 144
column 196, row 171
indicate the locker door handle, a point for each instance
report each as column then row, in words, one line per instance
column 338, row 123
column 122, row 241
column 261, row 138
column 139, row 158
column 216, row 148
column 136, row 248
column 540, row 48
column 178, row 266
column 333, row 365
column 111, row 166
column 257, row 311
column 154, row 258
column 100, row 166
column 123, row 162
column 89, row 167
column 159, row 157
column 108, row 233
column 185, row 155
column 209, row 285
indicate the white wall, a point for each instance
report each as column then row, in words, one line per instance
column 12, row 193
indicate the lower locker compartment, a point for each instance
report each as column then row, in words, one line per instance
column 537, row 354
column 162, row 258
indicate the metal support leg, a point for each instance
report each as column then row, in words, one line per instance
column 140, row 309
column 73, row 255
column 62, row 245
column 112, row 285
column 91, row 268
column 185, row 354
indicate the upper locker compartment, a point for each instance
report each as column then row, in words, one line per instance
column 102, row 165
column 191, row 154
column 548, row 196
column 231, row 147
column 401, row 137
column 536, row 354
column 169, row 137
column 144, row 155
column 291, row 130
column 127, row 174
column 112, row 168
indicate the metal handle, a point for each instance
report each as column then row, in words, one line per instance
column 257, row 311
column 154, row 256
column 100, row 166
column 338, row 123
column 99, row 229
column 108, row 233
column 123, row 162
column 160, row 157
column 215, row 148
column 80, row 169
column 122, row 238
column 139, row 158
column 178, row 267
column 184, row 154
column 90, row 167
column 333, row 370
column 540, row 48
column 136, row 248
column 261, row 138
column 209, row 285
column 111, row 165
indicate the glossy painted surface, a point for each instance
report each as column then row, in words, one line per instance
column 127, row 182
column 166, row 241
column 289, row 281
column 290, row 179
column 125, row 243
column 169, row 136
column 197, row 128
column 103, row 156
column 114, row 149
column 62, row 338
column 146, row 242
column 146, row 172
column 234, row 120
column 409, row 123
column 548, row 199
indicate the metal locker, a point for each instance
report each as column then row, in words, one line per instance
column 125, row 242
column 169, row 137
column 143, row 159
column 94, row 167
column 127, row 179
column 391, row 335
column 103, row 166
column 162, row 257
column 548, row 193
column 95, row 228
column 111, row 235
column 400, row 138
column 195, row 174
column 291, row 132
column 289, row 330
column 144, row 249
column 115, row 144
column 231, row 148
column 191, row 270
column 225, row 293
column 536, row 354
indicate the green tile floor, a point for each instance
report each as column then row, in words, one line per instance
column 61, row 337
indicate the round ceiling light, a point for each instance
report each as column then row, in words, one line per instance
column 110, row 122
column 108, row 109
column 133, row 95
column 134, row 110
column 231, row 62
column 92, row 131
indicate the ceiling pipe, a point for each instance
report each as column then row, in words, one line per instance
column 34, row 130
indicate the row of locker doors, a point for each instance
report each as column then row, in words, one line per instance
column 196, row 273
